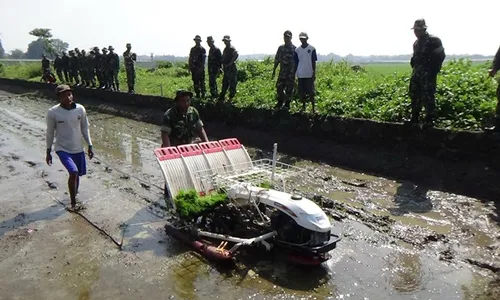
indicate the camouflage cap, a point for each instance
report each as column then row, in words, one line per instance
column 210, row 38
column 226, row 38
column 303, row 35
column 419, row 24
column 181, row 93
column 62, row 88
column 288, row 33
column 104, row 49
column 197, row 38
column 111, row 48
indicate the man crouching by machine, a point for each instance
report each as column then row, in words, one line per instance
column 181, row 123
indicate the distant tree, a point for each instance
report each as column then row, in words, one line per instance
column 2, row 50
column 43, row 33
column 44, row 36
column 59, row 45
column 36, row 49
column 16, row 54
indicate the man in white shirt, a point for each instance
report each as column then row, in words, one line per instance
column 68, row 122
column 305, row 69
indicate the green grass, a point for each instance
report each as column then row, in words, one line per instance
column 465, row 96
column 190, row 205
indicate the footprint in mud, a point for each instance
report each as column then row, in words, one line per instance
column 30, row 163
column 129, row 190
column 108, row 169
column 14, row 157
column 11, row 168
column 44, row 174
column 51, row 185
column 97, row 162
column 125, row 177
column 147, row 187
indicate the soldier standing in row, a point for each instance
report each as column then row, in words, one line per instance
column 426, row 62
column 105, row 69
column 494, row 69
column 230, row 79
column 45, row 64
column 129, row 59
column 78, row 56
column 58, row 67
column 197, row 57
column 74, row 66
column 214, row 66
column 286, row 78
column 84, row 69
column 114, row 65
column 97, row 66
column 65, row 65
column 91, row 68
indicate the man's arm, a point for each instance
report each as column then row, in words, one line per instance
column 314, row 58
column 165, row 130
column 437, row 55
column 295, row 61
column 276, row 60
column 84, row 125
column 234, row 58
column 200, row 131
column 496, row 61
column 51, row 128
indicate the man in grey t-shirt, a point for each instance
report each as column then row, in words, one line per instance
column 68, row 122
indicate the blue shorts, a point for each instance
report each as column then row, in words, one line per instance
column 73, row 162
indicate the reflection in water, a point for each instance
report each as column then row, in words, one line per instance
column 404, row 271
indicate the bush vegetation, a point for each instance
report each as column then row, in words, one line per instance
column 465, row 95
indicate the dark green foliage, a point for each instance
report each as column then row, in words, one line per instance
column 190, row 205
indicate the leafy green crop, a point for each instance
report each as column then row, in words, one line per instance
column 465, row 95
column 190, row 204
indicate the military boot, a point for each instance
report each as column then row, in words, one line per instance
column 429, row 122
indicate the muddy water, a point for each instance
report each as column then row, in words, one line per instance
column 400, row 241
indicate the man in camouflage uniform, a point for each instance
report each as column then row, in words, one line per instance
column 182, row 123
column 214, row 66
column 74, row 66
column 114, row 68
column 84, row 68
column 196, row 61
column 426, row 62
column 97, row 66
column 78, row 55
column 105, row 70
column 230, row 79
column 129, row 59
column 493, row 71
column 65, row 66
column 91, row 68
column 45, row 63
column 58, row 67
column 286, row 77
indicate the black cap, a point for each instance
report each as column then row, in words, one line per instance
column 288, row 33
column 181, row 93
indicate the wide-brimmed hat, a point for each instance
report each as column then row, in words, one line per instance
column 210, row 38
column 180, row 93
column 197, row 38
column 128, row 45
column 104, row 49
column 111, row 48
column 226, row 38
column 419, row 24
column 62, row 88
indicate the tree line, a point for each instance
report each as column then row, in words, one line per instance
column 43, row 44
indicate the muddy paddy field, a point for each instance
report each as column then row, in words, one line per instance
column 400, row 240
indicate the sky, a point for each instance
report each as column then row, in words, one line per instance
column 358, row 27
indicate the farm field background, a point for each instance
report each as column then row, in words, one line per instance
column 465, row 96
